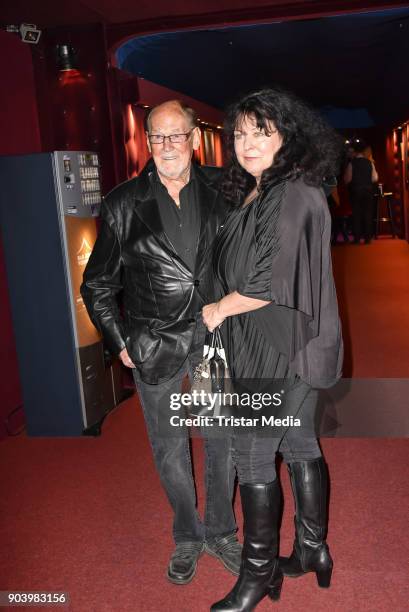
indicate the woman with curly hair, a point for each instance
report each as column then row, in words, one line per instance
column 278, row 306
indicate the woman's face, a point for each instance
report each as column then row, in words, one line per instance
column 255, row 150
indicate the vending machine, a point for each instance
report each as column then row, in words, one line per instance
column 48, row 208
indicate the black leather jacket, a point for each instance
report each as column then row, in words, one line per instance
column 161, row 297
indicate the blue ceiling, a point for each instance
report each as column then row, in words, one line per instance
column 354, row 67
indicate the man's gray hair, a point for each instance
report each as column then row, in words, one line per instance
column 188, row 111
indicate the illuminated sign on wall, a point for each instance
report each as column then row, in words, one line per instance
column 81, row 236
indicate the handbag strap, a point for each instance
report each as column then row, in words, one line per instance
column 214, row 345
column 209, row 339
column 213, row 339
column 218, row 338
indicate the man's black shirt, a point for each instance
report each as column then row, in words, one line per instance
column 181, row 225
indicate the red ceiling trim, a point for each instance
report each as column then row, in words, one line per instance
column 117, row 34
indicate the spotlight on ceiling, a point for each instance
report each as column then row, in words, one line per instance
column 66, row 58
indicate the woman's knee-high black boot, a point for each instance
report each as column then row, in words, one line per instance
column 259, row 571
column 309, row 481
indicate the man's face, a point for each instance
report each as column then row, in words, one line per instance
column 172, row 159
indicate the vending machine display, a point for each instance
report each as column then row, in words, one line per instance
column 48, row 206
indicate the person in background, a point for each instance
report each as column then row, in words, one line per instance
column 153, row 250
column 278, row 312
column 360, row 176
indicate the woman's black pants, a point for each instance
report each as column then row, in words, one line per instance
column 254, row 453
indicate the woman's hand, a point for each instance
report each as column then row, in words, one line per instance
column 232, row 304
column 211, row 316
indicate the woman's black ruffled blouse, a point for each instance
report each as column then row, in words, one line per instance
column 277, row 248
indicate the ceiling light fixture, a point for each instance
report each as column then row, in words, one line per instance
column 66, row 58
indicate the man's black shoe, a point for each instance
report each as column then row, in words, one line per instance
column 228, row 549
column 183, row 563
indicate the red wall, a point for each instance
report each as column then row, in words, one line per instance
column 20, row 133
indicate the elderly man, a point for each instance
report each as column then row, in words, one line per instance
column 154, row 247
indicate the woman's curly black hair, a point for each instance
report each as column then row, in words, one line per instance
column 310, row 148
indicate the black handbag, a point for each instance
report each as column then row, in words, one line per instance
column 211, row 379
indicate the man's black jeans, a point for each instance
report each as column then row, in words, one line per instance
column 173, row 460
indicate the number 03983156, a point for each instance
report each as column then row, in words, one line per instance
column 33, row 598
